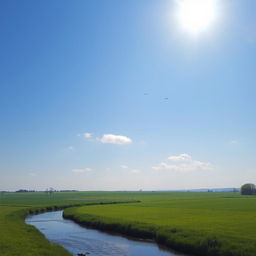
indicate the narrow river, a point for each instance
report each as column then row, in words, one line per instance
column 78, row 239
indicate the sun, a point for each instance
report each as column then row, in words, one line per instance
column 196, row 16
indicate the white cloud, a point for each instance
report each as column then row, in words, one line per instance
column 130, row 170
column 180, row 158
column 87, row 135
column 233, row 142
column 81, row 170
column 183, row 163
column 115, row 139
column 163, row 166
column 71, row 148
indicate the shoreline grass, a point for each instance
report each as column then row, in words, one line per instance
column 20, row 239
column 205, row 231
column 215, row 224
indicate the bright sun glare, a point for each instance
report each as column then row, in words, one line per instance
column 196, row 15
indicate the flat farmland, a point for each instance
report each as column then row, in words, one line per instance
column 216, row 224
column 204, row 223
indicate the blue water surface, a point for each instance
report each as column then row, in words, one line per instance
column 78, row 239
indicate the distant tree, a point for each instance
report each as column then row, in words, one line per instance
column 248, row 189
column 51, row 191
column 21, row 191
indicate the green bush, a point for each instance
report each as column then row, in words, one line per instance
column 248, row 189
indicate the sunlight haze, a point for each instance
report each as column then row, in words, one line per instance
column 118, row 95
column 197, row 15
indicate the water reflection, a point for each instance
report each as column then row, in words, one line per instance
column 77, row 239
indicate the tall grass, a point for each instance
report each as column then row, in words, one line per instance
column 19, row 239
column 218, row 225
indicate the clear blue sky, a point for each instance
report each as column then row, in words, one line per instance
column 75, row 75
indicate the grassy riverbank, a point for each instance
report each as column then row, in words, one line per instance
column 216, row 224
column 19, row 239
column 201, row 223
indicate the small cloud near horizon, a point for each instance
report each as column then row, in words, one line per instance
column 135, row 171
column 87, row 135
column 129, row 169
column 71, row 148
column 115, row 139
column 183, row 163
column 180, row 158
column 81, row 170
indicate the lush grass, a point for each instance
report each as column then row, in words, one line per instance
column 63, row 198
column 19, row 239
column 201, row 223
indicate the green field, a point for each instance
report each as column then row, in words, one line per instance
column 221, row 224
column 19, row 239
column 202, row 223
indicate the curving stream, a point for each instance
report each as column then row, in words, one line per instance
column 78, row 239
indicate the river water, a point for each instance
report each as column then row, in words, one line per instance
column 78, row 239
